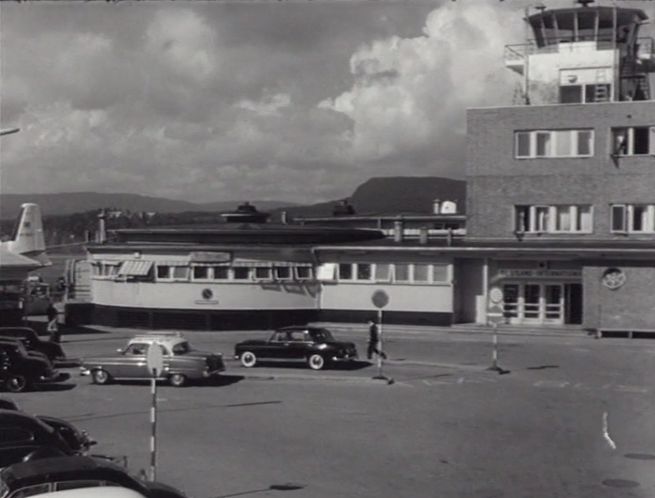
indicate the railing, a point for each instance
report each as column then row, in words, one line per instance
column 518, row 51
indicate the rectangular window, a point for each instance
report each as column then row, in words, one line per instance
column 364, row 271
column 180, row 272
column 440, row 273
column 382, row 272
column 282, row 272
column 163, row 271
column 263, row 273
column 200, row 272
column 401, row 272
column 523, row 139
column 553, row 219
column 421, row 273
column 618, row 218
column 585, row 94
column 633, row 218
column 221, row 272
column 570, row 94
column 241, row 272
column 303, row 272
column 554, row 143
column 345, row 271
column 633, row 141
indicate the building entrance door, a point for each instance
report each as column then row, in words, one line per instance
column 534, row 303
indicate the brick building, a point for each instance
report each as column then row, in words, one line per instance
column 566, row 182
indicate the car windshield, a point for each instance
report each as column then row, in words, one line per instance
column 181, row 348
column 321, row 335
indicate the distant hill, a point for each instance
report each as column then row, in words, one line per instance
column 393, row 195
column 381, row 195
column 77, row 202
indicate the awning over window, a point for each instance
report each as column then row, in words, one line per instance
column 135, row 268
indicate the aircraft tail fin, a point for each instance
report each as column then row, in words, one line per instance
column 28, row 237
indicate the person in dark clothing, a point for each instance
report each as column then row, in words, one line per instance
column 374, row 341
column 53, row 325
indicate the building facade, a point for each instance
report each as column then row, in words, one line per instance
column 559, row 227
column 572, row 172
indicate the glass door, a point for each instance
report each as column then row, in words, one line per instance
column 532, row 302
column 553, row 303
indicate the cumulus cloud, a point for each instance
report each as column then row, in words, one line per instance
column 410, row 94
column 184, row 42
column 269, row 105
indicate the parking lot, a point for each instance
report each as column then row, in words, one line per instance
column 445, row 427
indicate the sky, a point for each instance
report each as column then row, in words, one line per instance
column 295, row 101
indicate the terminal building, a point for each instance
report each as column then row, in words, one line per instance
column 559, row 225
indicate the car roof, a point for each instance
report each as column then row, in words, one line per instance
column 300, row 327
column 65, row 468
column 159, row 338
column 95, row 492
column 14, row 417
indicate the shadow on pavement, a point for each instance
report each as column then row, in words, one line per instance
column 272, row 487
column 542, row 367
column 55, row 387
column 301, row 365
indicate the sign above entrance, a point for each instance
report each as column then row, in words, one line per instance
column 507, row 273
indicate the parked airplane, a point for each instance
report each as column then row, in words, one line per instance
column 20, row 255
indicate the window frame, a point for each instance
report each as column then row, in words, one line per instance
column 551, row 151
column 627, row 147
column 528, row 221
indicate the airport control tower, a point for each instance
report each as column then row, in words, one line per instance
column 584, row 54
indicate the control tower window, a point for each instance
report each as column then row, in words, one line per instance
column 585, row 94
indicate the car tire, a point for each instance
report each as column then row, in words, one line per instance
column 248, row 359
column 177, row 380
column 316, row 362
column 16, row 383
column 100, row 376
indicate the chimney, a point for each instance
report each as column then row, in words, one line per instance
column 423, row 236
column 102, row 232
column 398, row 231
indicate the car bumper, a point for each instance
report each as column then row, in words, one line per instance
column 349, row 357
column 84, row 371
column 55, row 377
column 213, row 373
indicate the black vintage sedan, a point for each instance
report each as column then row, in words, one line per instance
column 33, row 342
column 314, row 345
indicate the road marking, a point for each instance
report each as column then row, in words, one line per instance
column 606, row 434
column 630, row 389
column 551, row 383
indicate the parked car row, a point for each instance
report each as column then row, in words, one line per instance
column 182, row 364
column 40, row 455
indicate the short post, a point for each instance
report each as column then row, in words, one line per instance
column 153, row 426
column 380, row 344
column 494, row 354
column 155, row 365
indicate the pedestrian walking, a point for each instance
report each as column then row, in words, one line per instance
column 53, row 325
column 374, row 341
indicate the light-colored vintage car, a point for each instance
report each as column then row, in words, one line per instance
column 181, row 362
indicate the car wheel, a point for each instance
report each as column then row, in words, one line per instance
column 100, row 376
column 316, row 362
column 248, row 359
column 17, row 383
column 177, row 380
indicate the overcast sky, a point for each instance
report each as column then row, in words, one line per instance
column 209, row 101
